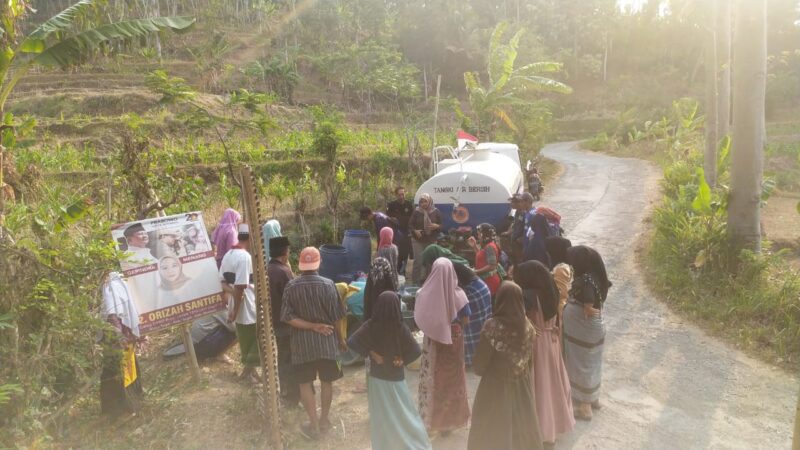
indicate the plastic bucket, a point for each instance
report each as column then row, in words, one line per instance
column 333, row 261
column 359, row 247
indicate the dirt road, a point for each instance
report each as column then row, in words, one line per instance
column 666, row 384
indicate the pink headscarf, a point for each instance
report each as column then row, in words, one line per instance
column 386, row 237
column 225, row 236
column 438, row 302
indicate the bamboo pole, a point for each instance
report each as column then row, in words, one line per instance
column 267, row 344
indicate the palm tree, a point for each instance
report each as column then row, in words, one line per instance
column 507, row 84
column 747, row 153
column 55, row 44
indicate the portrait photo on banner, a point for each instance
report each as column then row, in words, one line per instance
column 169, row 265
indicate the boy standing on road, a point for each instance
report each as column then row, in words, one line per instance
column 311, row 307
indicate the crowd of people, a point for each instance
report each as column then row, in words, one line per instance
column 523, row 310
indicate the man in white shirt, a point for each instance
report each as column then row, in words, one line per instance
column 138, row 252
column 236, row 273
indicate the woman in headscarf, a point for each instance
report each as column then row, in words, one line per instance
column 173, row 281
column 487, row 257
column 550, row 380
column 120, row 383
column 441, row 311
column 394, row 422
column 557, row 247
column 535, row 248
column 584, row 330
column 225, row 235
column 436, row 251
column 379, row 280
column 505, row 416
column 480, row 304
column 387, row 250
column 271, row 229
column 425, row 223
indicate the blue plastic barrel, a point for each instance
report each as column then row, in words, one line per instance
column 333, row 261
column 359, row 248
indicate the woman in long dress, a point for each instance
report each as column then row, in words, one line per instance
column 441, row 311
column 387, row 250
column 584, row 330
column 120, row 381
column 394, row 422
column 487, row 257
column 424, row 224
column 550, row 379
column 504, row 413
column 225, row 235
column 480, row 303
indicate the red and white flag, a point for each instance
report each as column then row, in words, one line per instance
column 463, row 138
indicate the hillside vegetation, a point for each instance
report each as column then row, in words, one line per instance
column 332, row 103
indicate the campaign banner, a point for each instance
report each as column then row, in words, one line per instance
column 170, row 269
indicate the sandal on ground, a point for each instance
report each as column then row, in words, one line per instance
column 584, row 412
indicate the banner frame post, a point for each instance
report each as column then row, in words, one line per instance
column 188, row 343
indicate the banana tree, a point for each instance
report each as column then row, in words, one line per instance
column 56, row 43
column 508, row 85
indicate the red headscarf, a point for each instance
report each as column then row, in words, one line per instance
column 386, row 237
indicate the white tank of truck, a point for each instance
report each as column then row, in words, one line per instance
column 472, row 185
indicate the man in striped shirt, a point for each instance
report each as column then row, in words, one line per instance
column 311, row 307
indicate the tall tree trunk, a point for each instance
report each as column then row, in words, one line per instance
column 723, row 28
column 750, row 75
column 711, row 64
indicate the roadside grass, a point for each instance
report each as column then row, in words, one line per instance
column 756, row 308
column 752, row 300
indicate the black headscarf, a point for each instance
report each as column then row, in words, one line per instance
column 380, row 279
column 535, row 276
column 557, row 249
column 465, row 274
column 536, row 249
column 385, row 332
column 509, row 331
column 586, row 261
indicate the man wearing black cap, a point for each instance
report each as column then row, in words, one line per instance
column 280, row 273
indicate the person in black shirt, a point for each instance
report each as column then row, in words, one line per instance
column 387, row 341
column 400, row 211
column 280, row 274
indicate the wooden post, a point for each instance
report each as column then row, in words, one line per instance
column 267, row 344
column 190, row 354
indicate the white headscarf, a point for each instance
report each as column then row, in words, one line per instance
column 117, row 300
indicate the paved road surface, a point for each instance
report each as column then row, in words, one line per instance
column 666, row 384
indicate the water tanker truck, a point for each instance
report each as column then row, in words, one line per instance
column 471, row 185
